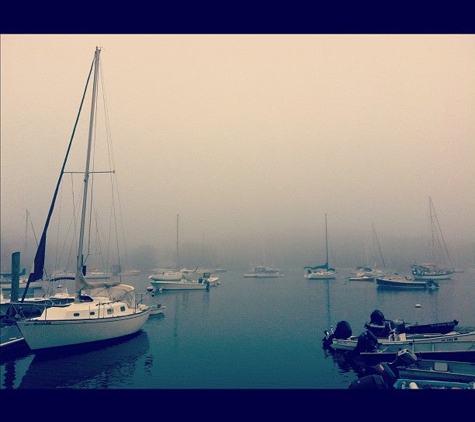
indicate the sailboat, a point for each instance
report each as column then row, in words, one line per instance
column 321, row 272
column 102, row 310
column 433, row 270
column 170, row 275
column 369, row 272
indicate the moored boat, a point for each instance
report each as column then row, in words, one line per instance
column 451, row 346
column 382, row 327
column 382, row 376
column 429, row 271
column 324, row 271
column 167, row 275
column 408, row 365
column 261, row 271
column 182, row 284
column 101, row 310
column 400, row 282
column 361, row 276
column 207, row 277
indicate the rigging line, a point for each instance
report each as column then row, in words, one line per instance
column 38, row 263
column 92, row 180
column 71, row 232
column 439, row 233
column 379, row 246
column 33, row 230
column 57, row 232
column 113, row 177
column 25, row 244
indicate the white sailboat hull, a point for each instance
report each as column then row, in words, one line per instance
column 320, row 276
column 167, row 276
column 56, row 328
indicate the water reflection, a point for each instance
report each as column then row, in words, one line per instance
column 97, row 367
column 345, row 362
column 13, row 370
column 395, row 290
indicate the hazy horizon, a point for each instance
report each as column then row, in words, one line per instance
column 252, row 139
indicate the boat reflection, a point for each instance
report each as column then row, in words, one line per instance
column 101, row 366
column 345, row 362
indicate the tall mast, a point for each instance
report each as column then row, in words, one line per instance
column 177, row 256
column 80, row 255
column 379, row 247
column 436, row 232
column 326, row 239
column 25, row 245
column 432, row 231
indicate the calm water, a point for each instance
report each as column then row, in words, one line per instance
column 242, row 334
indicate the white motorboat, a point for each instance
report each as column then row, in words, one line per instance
column 207, row 277
column 261, row 271
column 182, row 284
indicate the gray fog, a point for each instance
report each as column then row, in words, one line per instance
column 251, row 140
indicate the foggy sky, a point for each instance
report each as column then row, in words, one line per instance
column 251, row 140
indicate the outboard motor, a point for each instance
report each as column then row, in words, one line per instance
column 382, row 327
column 405, row 357
column 378, row 324
column 369, row 382
column 377, row 317
column 380, row 376
column 385, row 371
column 367, row 342
column 342, row 331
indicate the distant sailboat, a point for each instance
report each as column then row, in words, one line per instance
column 441, row 267
column 168, row 274
column 369, row 271
column 324, row 271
